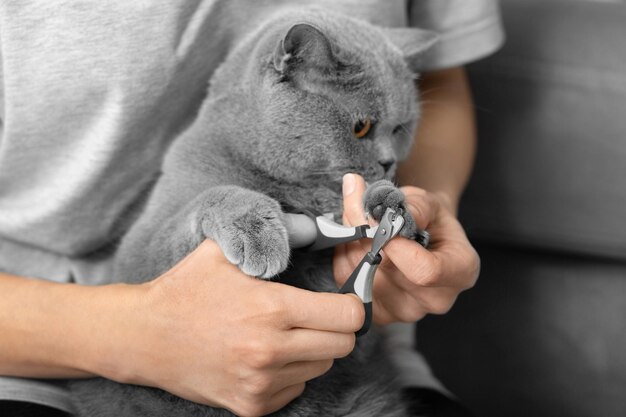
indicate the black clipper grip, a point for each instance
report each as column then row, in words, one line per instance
column 361, row 283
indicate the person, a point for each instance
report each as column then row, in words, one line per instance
column 91, row 95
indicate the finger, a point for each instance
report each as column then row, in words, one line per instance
column 395, row 303
column 401, row 300
column 410, row 258
column 448, row 266
column 342, row 267
column 351, row 253
column 422, row 205
column 398, row 305
column 283, row 397
column 436, row 300
column 353, row 190
column 204, row 256
column 323, row 311
column 347, row 257
column 418, row 265
column 314, row 345
column 408, row 302
column 299, row 372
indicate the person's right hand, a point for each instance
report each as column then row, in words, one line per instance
column 216, row 336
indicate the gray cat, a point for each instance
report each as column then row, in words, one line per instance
column 305, row 97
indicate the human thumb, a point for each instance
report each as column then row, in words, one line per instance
column 353, row 190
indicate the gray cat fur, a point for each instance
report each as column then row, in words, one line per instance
column 274, row 132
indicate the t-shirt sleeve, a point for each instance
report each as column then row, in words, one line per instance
column 468, row 30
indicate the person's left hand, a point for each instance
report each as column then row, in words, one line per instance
column 411, row 281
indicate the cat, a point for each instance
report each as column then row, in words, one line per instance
column 305, row 97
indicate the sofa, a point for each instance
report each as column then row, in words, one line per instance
column 543, row 333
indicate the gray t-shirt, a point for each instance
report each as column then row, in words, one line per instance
column 92, row 94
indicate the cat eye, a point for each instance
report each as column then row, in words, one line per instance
column 361, row 127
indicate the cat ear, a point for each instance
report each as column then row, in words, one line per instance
column 304, row 45
column 412, row 42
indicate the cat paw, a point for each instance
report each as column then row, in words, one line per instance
column 252, row 236
column 382, row 195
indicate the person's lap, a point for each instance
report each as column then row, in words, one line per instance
column 420, row 401
column 25, row 409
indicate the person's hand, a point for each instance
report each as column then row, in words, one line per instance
column 411, row 281
column 216, row 336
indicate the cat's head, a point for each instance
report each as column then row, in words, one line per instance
column 333, row 95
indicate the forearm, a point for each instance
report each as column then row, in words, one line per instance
column 442, row 157
column 52, row 330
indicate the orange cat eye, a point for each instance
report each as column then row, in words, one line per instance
column 361, row 128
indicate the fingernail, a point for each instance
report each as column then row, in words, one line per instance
column 349, row 182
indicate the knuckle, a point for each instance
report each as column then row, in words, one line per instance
column 474, row 268
column 469, row 270
column 258, row 385
column 298, row 390
column 411, row 312
column 274, row 307
column 431, row 199
column 429, row 274
column 441, row 305
column 440, row 308
column 414, row 313
column 420, row 203
column 356, row 312
column 263, row 358
column 258, row 353
column 387, row 265
column 417, row 212
column 249, row 409
column 326, row 366
column 346, row 345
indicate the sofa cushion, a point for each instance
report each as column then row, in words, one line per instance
column 551, row 108
column 540, row 335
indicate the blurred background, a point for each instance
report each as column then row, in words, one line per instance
column 543, row 333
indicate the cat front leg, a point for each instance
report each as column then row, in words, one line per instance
column 248, row 226
column 383, row 194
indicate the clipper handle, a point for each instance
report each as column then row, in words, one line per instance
column 361, row 283
column 368, row 319
column 319, row 232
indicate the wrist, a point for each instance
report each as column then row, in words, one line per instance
column 109, row 335
column 54, row 330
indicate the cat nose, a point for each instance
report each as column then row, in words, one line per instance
column 387, row 164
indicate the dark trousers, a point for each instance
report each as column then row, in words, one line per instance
column 23, row 409
column 422, row 402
